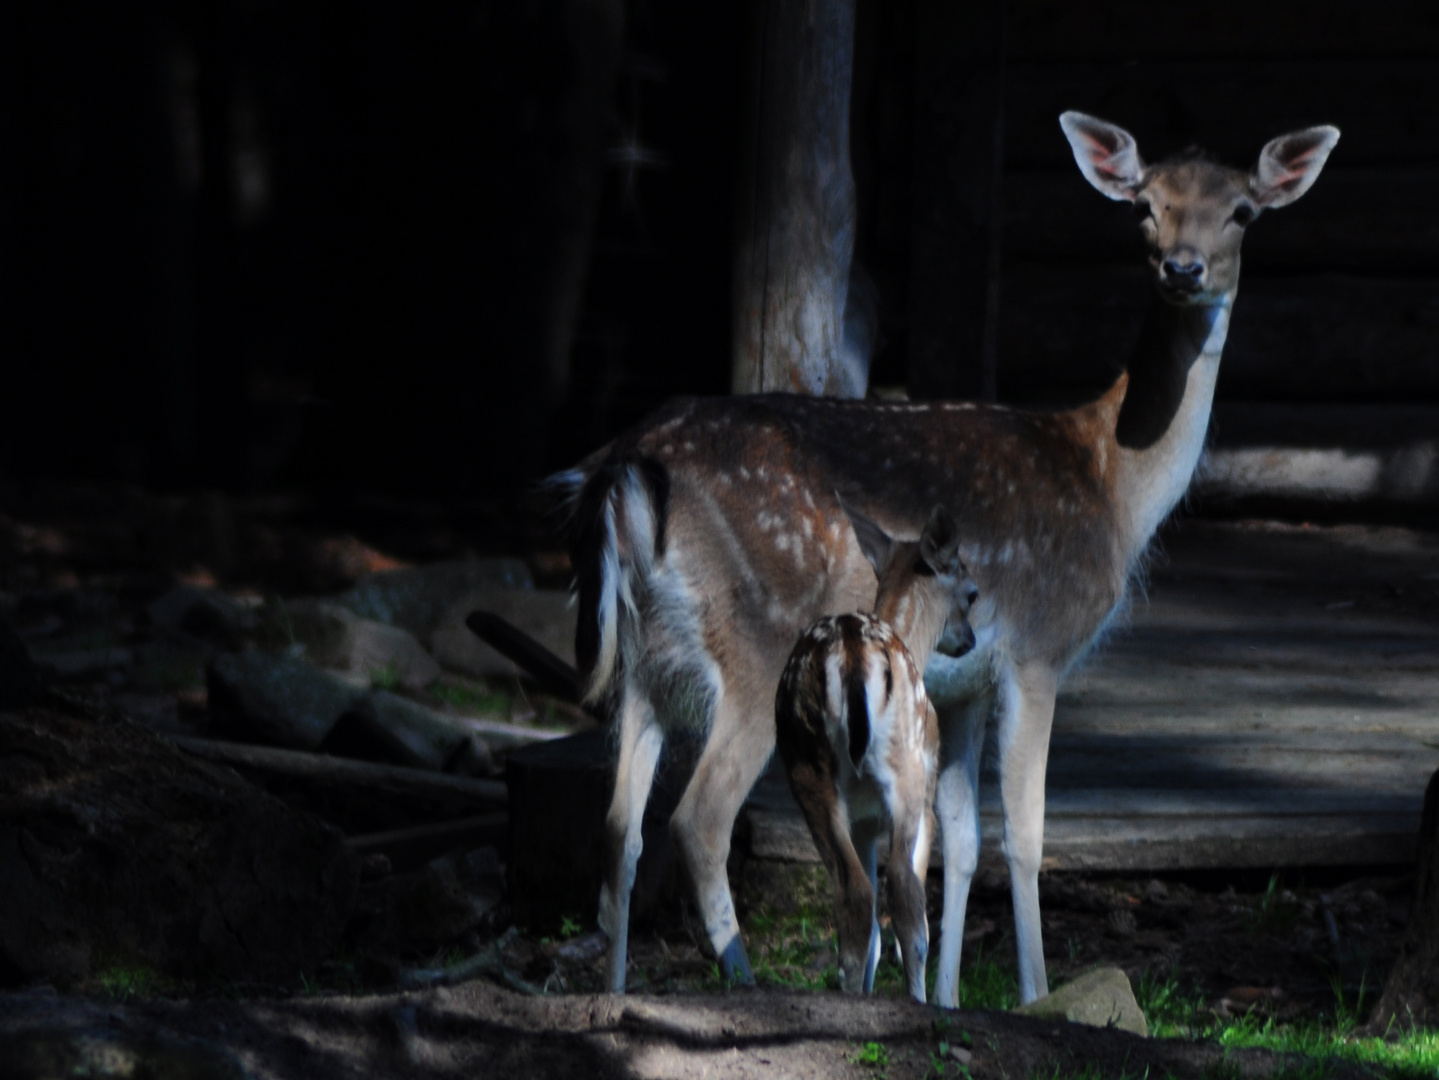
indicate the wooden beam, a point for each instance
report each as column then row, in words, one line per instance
column 796, row 203
column 392, row 778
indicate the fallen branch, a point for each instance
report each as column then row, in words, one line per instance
column 550, row 671
column 490, row 964
column 485, row 826
column 392, row 778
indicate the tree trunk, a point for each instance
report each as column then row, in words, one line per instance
column 797, row 205
column 1411, row 996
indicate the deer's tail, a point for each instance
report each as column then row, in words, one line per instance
column 617, row 534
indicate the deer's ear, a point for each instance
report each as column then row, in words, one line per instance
column 1289, row 165
column 939, row 543
column 1106, row 155
column 876, row 544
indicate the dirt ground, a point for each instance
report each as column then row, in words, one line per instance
column 1291, row 946
column 478, row 1030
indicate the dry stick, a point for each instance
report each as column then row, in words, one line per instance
column 490, row 964
column 392, row 778
column 482, row 824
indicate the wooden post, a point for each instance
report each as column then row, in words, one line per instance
column 958, row 165
column 796, row 203
column 1411, row 994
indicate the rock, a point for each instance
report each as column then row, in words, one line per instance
column 206, row 614
column 1100, row 998
column 545, row 615
column 118, row 849
column 335, row 637
column 418, row 912
column 158, row 712
column 416, row 598
column 46, row 1053
column 387, row 727
column 279, row 699
column 20, row 682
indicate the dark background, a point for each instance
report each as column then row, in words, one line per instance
column 437, row 249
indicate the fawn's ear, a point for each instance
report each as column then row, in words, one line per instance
column 877, row 545
column 1289, row 165
column 1106, row 154
column 939, row 543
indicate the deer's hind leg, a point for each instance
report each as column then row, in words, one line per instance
column 740, row 741
column 640, row 742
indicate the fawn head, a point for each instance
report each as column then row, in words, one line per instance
column 925, row 591
column 1193, row 211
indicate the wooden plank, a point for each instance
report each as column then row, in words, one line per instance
column 1121, row 30
column 1124, row 844
column 326, row 769
column 1355, row 220
column 1238, row 722
column 1229, row 107
column 1066, row 330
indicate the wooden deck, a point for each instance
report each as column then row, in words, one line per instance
column 1274, row 701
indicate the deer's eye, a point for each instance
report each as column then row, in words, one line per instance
column 1142, row 210
column 1243, row 214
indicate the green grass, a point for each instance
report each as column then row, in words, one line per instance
column 385, row 677
column 125, row 982
column 874, row 1055
column 471, row 697
column 1174, row 1011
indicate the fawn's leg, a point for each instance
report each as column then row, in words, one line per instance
column 815, row 789
column 865, row 833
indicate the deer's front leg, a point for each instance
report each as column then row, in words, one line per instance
column 740, row 741
column 640, row 743
column 961, row 741
column 1026, row 715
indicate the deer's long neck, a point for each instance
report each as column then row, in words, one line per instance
column 917, row 622
column 1164, row 400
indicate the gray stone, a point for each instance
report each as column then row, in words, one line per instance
column 545, row 615
column 1100, row 998
column 416, row 598
column 411, row 734
column 335, row 637
column 280, row 699
column 206, row 614
column 418, row 912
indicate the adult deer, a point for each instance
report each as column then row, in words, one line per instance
column 707, row 538
column 860, row 740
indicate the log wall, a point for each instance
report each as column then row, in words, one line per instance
column 1340, row 295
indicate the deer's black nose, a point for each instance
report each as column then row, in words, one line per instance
column 1184, row 272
